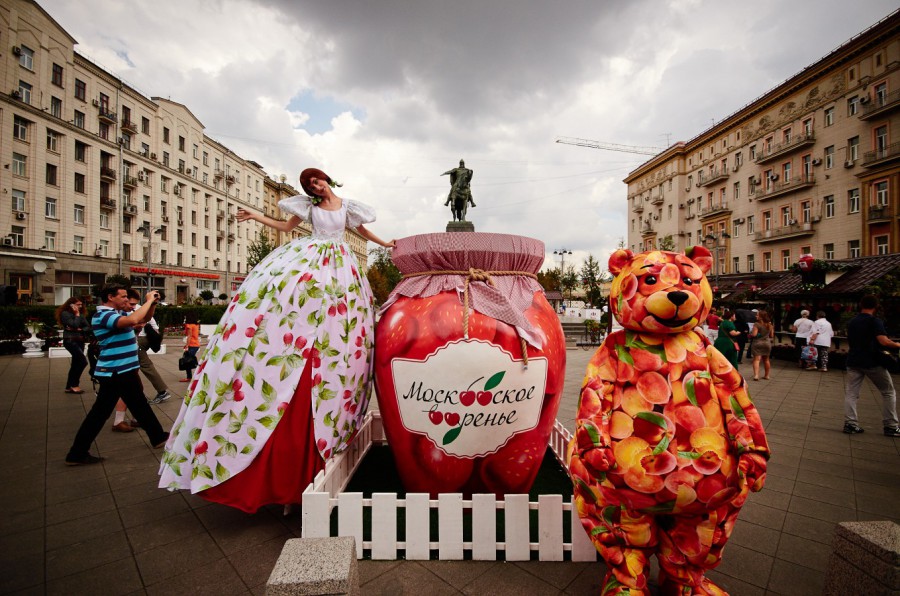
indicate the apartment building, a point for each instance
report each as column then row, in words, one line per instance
column 102, row 179
column 811, row 166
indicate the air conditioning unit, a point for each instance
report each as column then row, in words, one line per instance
column 20, row 215
column 142, row 176
column 792, row 222
column 132, row 209
column 817, row 162
column 98, row 253
column 165, row 218
column 7, row 242
column 180, row 222
column 216, row 262
column 739, row 221
column 96, row 103
column 15, row 94
column 17, row 51
column 152, row 156
column 177, row 190
column 755, row 181
column 690, row 201
column 849, row 163
column 736, row 167
column 655, row 216
column 773, row 177
column 865, row 99
column 681, row 205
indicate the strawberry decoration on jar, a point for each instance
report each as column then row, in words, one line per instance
column 470, row 361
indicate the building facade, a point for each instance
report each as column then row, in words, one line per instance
column 102, row 179
column 811, row 166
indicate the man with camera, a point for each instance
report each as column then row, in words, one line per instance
column 117, row 372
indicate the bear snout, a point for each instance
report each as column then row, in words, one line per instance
column 677, row 298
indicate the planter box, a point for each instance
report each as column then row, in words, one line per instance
column 326, row 492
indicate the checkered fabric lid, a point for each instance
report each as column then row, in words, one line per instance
column 505, row 301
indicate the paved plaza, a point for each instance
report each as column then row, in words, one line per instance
column 106, row 529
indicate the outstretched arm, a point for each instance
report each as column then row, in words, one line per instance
column 278, row 224
column 365, row 233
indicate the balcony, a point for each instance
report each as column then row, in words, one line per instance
column 879, row 106
column 879, row 214
column 715, row 176
column 129, row 181
column 795, row 230
column 638, row 208
column 220, row 214
column 802, row 140
column 108, row 174
column 229, row 179
column 129, row 126
column 881, row 156
column 657, row 199
column 106, row 116
column 107, row 203
column 218, row 174
column 779, row 189
column 220, row 233
column 714, row 211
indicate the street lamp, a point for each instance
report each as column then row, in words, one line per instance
column 145, row 230
column 562, row 252
column 717, row 243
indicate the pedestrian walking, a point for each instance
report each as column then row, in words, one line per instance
column 820, row 336
column 117, row 372
column 867, row 337
column 120, row 425
column 726, row 341
column 761, row 338
column 803, row 328
column 70, row 316
column 191, row 343
column 712, row 324
column 147, row 367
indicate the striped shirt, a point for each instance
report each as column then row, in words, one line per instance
column 118, row 346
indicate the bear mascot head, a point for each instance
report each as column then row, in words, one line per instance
column 667, row 443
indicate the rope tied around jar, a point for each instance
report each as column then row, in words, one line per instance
column 483, row 276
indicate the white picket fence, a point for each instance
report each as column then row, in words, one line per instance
column 326, row 492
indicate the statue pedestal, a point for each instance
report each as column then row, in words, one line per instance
column 460, row 226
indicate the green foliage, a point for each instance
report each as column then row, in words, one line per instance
column 568, row 281
column 383, row 275
column 886, row 285
column 207, row 295
column 173, row 316
column 115, row 278
column 591, row 277
column 259, row 249
column 549, row 280
column 666, row 243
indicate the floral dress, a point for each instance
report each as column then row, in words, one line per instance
column 303, row 311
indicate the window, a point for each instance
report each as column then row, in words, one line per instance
column 828, row 250
column 104, row 219
column 80, row 151
column 181, row 143
column 49, row 240
column 103, row 131
column 181, row 166
column 829, row 116
column 126, row 140
column 56, row 107
column 26, row 58
column 853, row 200
column 206, row 159
column 807, row 167
column 805, row 212
column 881, row 142
column 205, row 178
column 881, row 193
column 18, row 235
column 79, row 183
column 853, row 148
column 196, row 151
column 57, row 76
column 808, row 126
column 193, row 238
column 829, row 206
column 50, row 208
column 166, row 158
column 179, row 236
column 78, row 119
column 146, row 200
column 880, row 94
column 78, row 245
column 853, row 106
column 767, row 262
column 829, row 157
column 145, row 125
column 80, row 90
column 78, row 214
column 750, row 224
column 751, row 263
column 735, row 264
column 736, row 226
column 19, row 165
column 767, row 220
column 25, row 92
column 20, row 129
column 853, row 250
column 104, row 248
column 785, row 259
column 881, row 245
column 785, row 216
column 786, row 172
column 52, row 141
column 52, row 175
column 18, row 200
column 786, row 135
column 737, row 190
column 752, row 151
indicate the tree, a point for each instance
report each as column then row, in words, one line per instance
column 383, row 275
column 259, row 249
column 568, row 281
column 115, row 278
column 591, row 277
column 666, row 243
column 549, row 280
column 207, row 295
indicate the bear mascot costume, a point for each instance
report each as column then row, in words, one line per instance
column 667, row 443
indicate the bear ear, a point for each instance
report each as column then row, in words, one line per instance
column 619, row 259
column 701, row 256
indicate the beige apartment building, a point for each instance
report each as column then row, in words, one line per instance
column 102, row 179
column 811, row 166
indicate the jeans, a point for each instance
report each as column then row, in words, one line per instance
column 882, row 381
column 147, row 366
column 128, row 387
column 79, row 362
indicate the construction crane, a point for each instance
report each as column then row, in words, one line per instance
column 609, row 146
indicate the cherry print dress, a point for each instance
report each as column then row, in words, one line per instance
column 285, row 380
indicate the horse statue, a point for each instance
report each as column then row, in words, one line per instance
column 460, row 192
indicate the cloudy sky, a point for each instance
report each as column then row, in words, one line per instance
column 386, row 95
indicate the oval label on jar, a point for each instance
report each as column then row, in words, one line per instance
column 470, row 396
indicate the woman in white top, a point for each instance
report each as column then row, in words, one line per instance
column 802, row 327
column 821, row 335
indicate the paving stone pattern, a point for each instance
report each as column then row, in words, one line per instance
column 107, row 529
